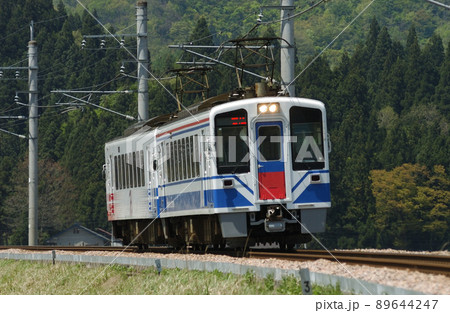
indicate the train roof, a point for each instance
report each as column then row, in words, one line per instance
column 258, row 90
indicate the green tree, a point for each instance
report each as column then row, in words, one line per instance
column 414, row 67
column 412, row 207
column 57, row 198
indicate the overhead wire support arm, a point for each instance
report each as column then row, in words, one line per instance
column 94, row 91
column 128, row 117
column 215, row 60
column 20, row 117
column 439, row 4
column 14, row 134
column 13, row 68
column 109, row 36
column 183, row 46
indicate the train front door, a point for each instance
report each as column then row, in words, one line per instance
column 271, row 177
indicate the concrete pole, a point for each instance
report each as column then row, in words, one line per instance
column 33, row 142
column 287, row 47
column 142, row 56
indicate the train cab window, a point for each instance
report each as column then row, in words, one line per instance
column 307, row 135
column 231, row 131
column 270, row 147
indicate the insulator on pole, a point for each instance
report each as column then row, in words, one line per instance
column 17, row 74
column 260, row 16
column 102, row 44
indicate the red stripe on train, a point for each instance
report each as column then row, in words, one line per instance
column 272, row 185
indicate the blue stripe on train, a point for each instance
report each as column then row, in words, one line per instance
column 227, row 198
column 315, row 193
column 221, row 198
column 306, row 175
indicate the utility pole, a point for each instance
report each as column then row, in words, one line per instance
column 142, row 57
column 287, row 47
column 33, row 141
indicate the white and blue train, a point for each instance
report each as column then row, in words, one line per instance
column 230, row 170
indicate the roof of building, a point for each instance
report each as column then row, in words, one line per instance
column 76, row 225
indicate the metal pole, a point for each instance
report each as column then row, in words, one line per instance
column 142, row 56
column 33, row 142
column 287, row 47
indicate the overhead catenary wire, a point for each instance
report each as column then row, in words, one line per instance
column 331, row 42
column 296, row 14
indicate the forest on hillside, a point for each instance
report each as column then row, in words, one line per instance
column 387, row 98
column 171, row 21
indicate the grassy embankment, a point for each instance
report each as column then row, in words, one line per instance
column 43, row 278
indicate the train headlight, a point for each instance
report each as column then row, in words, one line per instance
column 273, row 107
column 263, row 108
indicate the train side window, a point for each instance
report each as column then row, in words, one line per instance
column 168, row 163
column 196, row 156
column 124, row 174
column 191, row 145
column 307, row 132
column 115, row 181
column 141, row 167
column 119, row 173
column 232, row 142
column 182, row 158
column 138, row 169
column 113, row 173
column 172, row 162
column 187, row 168
column 125, row 171
column 135, row 172
column 189, row 155
column 130, row 169
column 175, row 161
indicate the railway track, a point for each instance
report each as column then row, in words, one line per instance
column 428, row 263
column 72, row 248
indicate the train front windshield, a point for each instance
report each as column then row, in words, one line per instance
column 307, row 135
column 232, row 142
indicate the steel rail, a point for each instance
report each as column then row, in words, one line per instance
column 72, row 248
column 429, row 263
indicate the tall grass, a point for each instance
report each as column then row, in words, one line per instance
column 43, row 278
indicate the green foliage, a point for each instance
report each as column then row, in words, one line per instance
column 23, row 277
column 412, row 207
column 171, row 21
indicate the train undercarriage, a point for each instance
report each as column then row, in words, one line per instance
column 201, row 231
